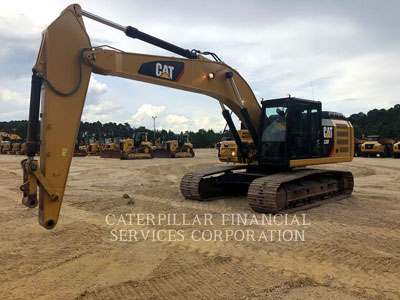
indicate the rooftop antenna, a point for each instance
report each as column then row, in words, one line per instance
column 312, row 89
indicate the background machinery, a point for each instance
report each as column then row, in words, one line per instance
column 18, row 147
column 111, row 150
column 139, row 147
column 5, row 147
column 396, row 150
column 375, row 145
column 179, row 147
column 357, row 146
column 287, row 135
column 80, row 150
column 94, row 148
column 11, row 144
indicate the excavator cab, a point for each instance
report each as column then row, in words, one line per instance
column 296, row 132
column 291, row 129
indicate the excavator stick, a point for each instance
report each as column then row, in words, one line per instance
column 62, row 81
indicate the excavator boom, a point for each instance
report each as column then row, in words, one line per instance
column 60, row 82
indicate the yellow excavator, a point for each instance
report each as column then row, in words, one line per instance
column 179, row 147
column 287, row 134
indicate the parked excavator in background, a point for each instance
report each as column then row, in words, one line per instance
column 396, row 150
column 287, row 134
column 376, row 145
column 179, row 147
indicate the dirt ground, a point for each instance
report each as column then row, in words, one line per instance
column 351, row 248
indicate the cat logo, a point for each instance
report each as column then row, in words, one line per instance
column 328, row 132
column 168, row 70
column 164, row 71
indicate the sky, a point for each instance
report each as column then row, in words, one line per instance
column 345, row 54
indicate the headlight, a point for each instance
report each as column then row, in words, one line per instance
column 233, row 153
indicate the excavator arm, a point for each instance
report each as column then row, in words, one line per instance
column 60, row 81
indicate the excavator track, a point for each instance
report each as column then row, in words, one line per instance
column 298, row 190
column 287, row 191
column 200, row 185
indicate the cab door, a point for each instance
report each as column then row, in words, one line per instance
column 304, row 136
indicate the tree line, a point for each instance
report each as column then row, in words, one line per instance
column 383, row 122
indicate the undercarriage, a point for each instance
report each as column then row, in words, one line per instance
column 269, row 191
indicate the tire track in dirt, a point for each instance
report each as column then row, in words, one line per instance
column 75, row 240
column 208, row 280
column 15, row 215
column 322, row 230
column 328, row 265
column 336, row 254
column 215, row 278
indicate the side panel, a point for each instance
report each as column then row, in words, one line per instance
column 344, row 139
column 343, row 146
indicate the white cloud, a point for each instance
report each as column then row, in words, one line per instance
column 103, row 111
column 206, row 122
column 174, row 122
column 14, row 97
column 97, row 87
column 143, row 116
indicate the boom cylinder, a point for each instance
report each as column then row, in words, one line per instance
column 137, row 34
